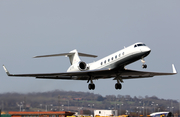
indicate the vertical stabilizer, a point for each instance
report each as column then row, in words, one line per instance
column 74, row 57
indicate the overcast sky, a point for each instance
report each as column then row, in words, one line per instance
column 38, row 27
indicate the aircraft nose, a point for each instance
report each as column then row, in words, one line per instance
column 146, row 50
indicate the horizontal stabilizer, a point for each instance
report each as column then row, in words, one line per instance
column 52, row 55
column 86, row 55
column 67, row 54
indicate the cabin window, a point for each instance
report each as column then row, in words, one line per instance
column 101, row 63
column 116, row 56
column 135, row 45
column 108, row 60
column 105, row 61
column 119, row 55
column 123, row 53
column 112, row 58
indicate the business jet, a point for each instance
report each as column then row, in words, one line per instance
column 112, row 66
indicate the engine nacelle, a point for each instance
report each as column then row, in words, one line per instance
column 79, row 66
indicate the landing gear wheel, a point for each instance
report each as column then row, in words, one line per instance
column 91, row 86
column 118, row 86
column 144, row 66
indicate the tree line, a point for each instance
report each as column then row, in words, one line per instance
column 59, row 100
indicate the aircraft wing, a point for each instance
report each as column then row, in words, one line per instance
column 96, row 74
column 82, row 75
column 131, row 74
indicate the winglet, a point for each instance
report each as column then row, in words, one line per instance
column 174, row 69
column 7, row 72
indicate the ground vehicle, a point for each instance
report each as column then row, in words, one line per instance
column 162, row 114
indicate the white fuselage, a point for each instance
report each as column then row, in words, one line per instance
column 120, row 58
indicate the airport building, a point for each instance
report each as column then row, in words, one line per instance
column 105, row 113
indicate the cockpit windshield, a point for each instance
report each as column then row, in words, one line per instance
column 141, row 45
column 137, row 45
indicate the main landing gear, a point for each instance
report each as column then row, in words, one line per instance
column 91, row 86
column 144, row 66
column 118, row 84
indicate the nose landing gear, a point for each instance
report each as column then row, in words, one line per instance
column 144, row 66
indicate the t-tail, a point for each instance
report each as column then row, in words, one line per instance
column 73, row 56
